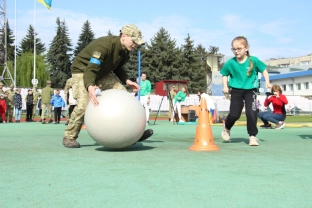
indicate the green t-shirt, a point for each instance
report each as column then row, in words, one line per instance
column 238, row 73
column 145, row 87
column 180, row 97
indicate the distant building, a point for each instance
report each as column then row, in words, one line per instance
column 294, row 83
column 302, row 62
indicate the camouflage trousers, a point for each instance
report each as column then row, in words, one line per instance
column 80, row 93
column 44, row 108
column 34, row 110
column 9, row 113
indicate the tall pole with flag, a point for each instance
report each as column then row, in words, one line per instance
column 47, row 4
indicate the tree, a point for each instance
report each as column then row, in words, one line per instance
column 59, row 56
column 161, row 58
column 191, row 67
column 213, row 50
column 131, row 67
column 27, row 43
column 10, row 43
column 25, row 72
column 86, row 36
column 201, row 51
column 109, row 33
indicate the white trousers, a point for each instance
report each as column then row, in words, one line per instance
column 176, row 106
column 143, row 100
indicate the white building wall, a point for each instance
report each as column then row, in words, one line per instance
column 295, row 81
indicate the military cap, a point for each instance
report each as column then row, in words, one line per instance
column 11, row 85
column 35, row 86
column 134, row 32
column 48, row 82
column 1, row 83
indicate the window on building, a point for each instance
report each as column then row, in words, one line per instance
column 284, row 88
column 306, row 85
column 291, row 87
column 298, row 86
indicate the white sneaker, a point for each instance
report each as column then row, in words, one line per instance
column 253, row 141
column 278, row 127
column 225, row 133
column 181, row 121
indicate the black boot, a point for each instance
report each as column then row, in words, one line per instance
column 147, row 133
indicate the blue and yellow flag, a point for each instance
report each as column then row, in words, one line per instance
column 46, row 3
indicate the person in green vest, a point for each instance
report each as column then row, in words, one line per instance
column 145, row 94
column 46, row 96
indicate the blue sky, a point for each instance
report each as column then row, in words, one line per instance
column 274, row 29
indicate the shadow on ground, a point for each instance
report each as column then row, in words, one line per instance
column 136, row 147
column 238, row 140
column 305, row 136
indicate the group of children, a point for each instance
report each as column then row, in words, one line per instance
column 57, row 102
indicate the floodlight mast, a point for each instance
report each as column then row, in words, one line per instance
column 6, row 75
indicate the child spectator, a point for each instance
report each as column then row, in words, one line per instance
column 58, row 103
column 18, row 105
column 2, row 108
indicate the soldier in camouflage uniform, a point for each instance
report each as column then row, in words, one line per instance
column 36, row 94
column 100, row 63
column 46, row 96
column 10, row 103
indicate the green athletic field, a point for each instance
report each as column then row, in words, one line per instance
column 37, row 171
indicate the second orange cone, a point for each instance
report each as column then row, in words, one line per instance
column 203, row 140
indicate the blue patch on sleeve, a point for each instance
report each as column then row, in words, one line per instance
column 95, row 61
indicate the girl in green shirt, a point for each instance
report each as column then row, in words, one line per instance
column 243, row 72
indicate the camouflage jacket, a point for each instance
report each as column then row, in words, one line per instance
column 99, row 58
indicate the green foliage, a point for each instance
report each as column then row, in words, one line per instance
column 25, row 70
column 109, row 33
column 131, row 67
column 191, row 67
column 161, row 58
column 27, row 43
column 59, row 56
column 85, row 37
column 10, row 43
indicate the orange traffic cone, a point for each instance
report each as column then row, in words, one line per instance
column 83, row 126
column 203, row 140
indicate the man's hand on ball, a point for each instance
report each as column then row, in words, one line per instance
column 91, row 91
column 133, row 85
